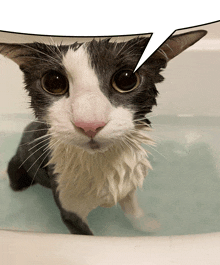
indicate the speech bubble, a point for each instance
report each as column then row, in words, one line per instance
column 111, row 18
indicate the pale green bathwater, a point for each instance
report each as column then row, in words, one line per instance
column 182, row 191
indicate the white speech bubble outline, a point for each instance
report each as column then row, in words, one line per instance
column 95, row 18
column 156, row 40
column 117, row 18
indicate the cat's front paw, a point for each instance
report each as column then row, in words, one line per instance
column 144, row 223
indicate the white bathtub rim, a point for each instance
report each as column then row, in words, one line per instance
column 40, row 248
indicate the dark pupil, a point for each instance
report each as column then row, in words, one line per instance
column 55, row 82
column 125, row 80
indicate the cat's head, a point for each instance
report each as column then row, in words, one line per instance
column 87, row 92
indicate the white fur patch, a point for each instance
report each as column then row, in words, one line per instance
column 88, row 103
column 80, row 74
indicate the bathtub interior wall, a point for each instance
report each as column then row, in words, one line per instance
column 183, row 189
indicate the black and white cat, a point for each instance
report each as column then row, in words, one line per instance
column 90, row 122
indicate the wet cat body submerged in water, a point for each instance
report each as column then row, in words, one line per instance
column 90, row 123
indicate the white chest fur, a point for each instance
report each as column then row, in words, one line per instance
column 86, row 180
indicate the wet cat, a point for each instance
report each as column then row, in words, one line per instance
column 90, row 123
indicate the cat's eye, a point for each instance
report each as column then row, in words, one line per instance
column 125, row 80
column 55, row 83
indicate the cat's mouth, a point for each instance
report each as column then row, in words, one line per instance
column 94, row 145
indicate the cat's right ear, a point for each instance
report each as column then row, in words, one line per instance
column 177, row 44
column 19, row 53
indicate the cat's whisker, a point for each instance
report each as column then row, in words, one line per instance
column 123, row 141
column 115, row 44
column 159, row 153
column 151, row 116
column 48, row 62
column 32, row 154
column 130, row 141
column 129, row 48
column 141, row 122
column 57, row 46
column 144, row 118
column 37, row 121
column 55, row 142
column 142, row 125
column 54, row 44
column 47, row 154
column 45, row 135
column 157, row 139
column 36, row 58
column 38, row 130
column 43, row 122
column 46, row 149
column 119, row 52
column 57, row 56
column 38, row 144
column 41, row 52
column 161, row 125
column 37, row 139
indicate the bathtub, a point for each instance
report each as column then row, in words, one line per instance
column 182, row 191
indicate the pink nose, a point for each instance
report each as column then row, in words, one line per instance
column 90, row 128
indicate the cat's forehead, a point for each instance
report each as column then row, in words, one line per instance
column 78, row 68
column 108, row 50
column 85, row 61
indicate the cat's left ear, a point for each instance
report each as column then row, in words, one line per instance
column 19, row 53
column 177, row 44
